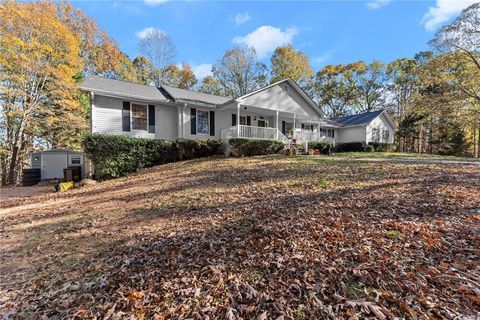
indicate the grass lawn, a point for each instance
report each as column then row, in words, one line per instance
column 254, row 238
column 401, row 155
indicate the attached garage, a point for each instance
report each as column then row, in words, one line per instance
column 52, row 162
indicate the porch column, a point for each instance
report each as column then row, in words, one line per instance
column 238, row 120
column 184, row 117
column 276, row 123
column 319, row 136
column 294, row 125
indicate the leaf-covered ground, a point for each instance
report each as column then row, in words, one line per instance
column 254, row 238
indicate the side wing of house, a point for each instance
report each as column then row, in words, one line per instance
column 351, row 134
column 381, row 129
column 136, row 118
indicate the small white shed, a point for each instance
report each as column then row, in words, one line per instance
column 52, row 162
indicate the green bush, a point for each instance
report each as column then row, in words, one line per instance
column 253, row 147
column 382, row 147
column 322, row 146
column 115, row 156
column 190, row 149
column 349, row 147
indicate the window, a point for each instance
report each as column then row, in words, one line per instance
column 386, row 136
column 330, row 133
column 243, row 120
column 75, row 160
column 139, row 117
column 202, row 122
column 376, row 135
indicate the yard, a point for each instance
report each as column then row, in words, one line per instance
column 263, row 238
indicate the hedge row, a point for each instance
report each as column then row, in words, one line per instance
column 116, row 156
column 252, row 147
column 324, row 147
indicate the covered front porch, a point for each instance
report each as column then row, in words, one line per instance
column 258, row 123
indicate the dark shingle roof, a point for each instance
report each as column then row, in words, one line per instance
column 358, row 119
column 121, row 88
column 194, row 96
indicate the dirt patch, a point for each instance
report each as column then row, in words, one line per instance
column 21, row 192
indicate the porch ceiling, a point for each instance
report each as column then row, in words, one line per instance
column 268, row 112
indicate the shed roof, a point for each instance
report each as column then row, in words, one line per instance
column 122, row 88
column 358, row 119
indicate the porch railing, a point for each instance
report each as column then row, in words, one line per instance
column 306, row 135
column 252, row 132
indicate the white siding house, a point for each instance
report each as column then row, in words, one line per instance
column 280, row 111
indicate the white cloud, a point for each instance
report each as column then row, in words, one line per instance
column 142, row 34
column 202, row 70
column 155, row 2
column 241, row 18
column 443, row 11
column 266, row 38
column 376, row 4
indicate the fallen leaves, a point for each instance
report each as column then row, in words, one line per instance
column 255, row 238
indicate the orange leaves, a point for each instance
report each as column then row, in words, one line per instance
column 135, row 295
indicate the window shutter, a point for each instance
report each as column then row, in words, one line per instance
column 333, row 133
column 249, row 121
column 151, row 118
column 303, row 126
column 234, row 119
column 284, row 124
column 126, row 116
column 193, row 121
column 212, row 123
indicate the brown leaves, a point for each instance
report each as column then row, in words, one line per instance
column 236, row 239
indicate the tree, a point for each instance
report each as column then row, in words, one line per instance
column 99, row 53
column 370, row 81
column 238, row 72
column 335, row 90
column 459, row 44
column 39, row 59
column 183, row 78
column 210, row 85
column 287, row 62
column 402, row 74
column 143, row 70
column 159, row 49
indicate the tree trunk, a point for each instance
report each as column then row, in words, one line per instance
column 478, row 143
column 13, row 163
column 3, row 166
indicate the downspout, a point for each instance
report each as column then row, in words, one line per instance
column 92, row 97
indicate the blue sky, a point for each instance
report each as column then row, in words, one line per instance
column 329, row 32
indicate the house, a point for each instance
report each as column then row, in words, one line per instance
column 281, row 111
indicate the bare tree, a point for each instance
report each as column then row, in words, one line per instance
column 238, row 72
column 159, row 49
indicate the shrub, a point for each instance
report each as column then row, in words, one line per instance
column 190, row 149
column 322, row 146
column 369, row 148
column 349, row 147
column 253, row 147
column 382, row 147
column 116, row 156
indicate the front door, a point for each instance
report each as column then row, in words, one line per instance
column 262, row 123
